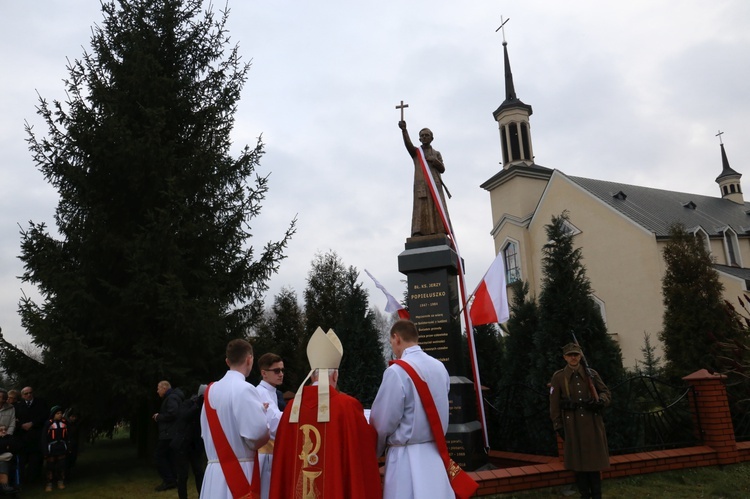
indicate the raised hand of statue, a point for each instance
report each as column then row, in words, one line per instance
column 402, row 125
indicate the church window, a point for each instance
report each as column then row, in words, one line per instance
column 504, row 143
column 515, row 150
column 726, row 191
column 525, row 141
column 731, row 248
column 512, row 267
column 602, row 310
column 569, row 228
column 731, row 188
column 701, row 236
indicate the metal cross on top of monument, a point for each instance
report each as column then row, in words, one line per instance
column 401, row 107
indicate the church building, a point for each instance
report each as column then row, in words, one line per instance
column 620, row 228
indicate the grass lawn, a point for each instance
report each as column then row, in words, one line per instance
column 729, row 482
column 110, row 470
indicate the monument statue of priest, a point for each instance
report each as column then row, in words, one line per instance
column 425, row 218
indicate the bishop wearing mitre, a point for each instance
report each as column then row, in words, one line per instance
column 324, row 448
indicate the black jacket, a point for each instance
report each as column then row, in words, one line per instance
column 187, row 428
column 170, row 408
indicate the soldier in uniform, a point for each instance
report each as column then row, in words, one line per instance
column 576, row 412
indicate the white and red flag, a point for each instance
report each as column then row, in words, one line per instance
column 393, row 305
column 490, row 303
column 464, row 298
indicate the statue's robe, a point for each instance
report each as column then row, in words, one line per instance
column 425, row 219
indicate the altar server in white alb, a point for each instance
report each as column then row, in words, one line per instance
column 413, row 466
column 271, row 368
column 233, row 427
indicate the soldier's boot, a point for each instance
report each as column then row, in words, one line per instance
column 595, row 479
column 582, row 481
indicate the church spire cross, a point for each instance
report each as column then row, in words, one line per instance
column 502, row 26
column 401, row 107
column 719, row 135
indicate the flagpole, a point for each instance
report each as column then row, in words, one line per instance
column 467, row 320
column 466, row 302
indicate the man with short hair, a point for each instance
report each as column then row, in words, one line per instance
column 31, row 414
column 324, row 446
column 164, row 456
column 233, row 427
column 414, row 468
column 271, row 368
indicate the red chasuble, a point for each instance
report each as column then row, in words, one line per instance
column 334, row 460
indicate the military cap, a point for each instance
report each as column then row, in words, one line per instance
column 572, row 348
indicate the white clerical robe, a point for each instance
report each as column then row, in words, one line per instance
column 241, row 415
column 413, row 467
column 267, row 394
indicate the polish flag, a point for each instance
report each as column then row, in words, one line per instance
column 393, row 305
column 490, row 303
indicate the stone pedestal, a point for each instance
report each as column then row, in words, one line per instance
column 431, row 268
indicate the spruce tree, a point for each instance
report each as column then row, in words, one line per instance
column 695, row 313
column 522, row 405
column 150, row 270
column 489, row 346
column 519, row 353
column 566, row 306
column 651, row 364
column 335, row 300
column 283, row 333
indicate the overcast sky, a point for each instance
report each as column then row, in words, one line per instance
column 631, row 92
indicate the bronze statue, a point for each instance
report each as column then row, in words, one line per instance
column 425, row 219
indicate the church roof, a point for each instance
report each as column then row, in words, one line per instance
column 727, row 170
column 534, row 171
column 657, row 210
column 511, row 99
column 739, row 272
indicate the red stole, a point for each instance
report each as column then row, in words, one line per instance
column 461, row 483
column 230, row 465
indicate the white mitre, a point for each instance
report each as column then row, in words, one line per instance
column 324, row 352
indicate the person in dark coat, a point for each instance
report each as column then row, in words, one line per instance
column 166, row 418
column 72, row 416
column 576, row 413
column 187, row 443
column 31, row 414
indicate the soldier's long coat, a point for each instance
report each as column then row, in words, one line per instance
column 585, row 437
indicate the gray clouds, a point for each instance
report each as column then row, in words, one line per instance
column 628, row 92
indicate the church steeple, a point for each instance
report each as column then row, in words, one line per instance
column 513, row 119
column 729, row 180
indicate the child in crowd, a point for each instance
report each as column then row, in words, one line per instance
column 71, row 418
column 55, row 441
column 6, row 442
